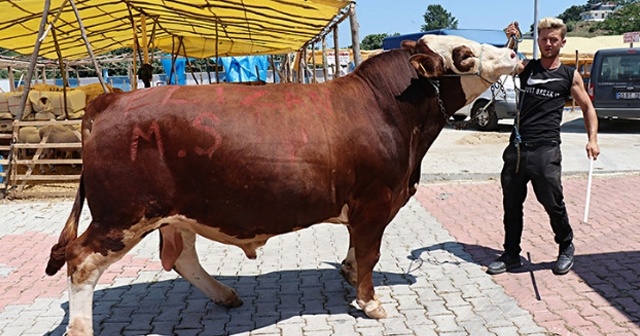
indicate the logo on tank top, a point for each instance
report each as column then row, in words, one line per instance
column 542, row 92
column 533, row 81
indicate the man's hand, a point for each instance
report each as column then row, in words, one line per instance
column 593, row 150
column 513, row 32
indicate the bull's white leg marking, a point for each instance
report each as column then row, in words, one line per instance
column 85, row 271
column 373, row 308
column 188, row 266
column 81, row 297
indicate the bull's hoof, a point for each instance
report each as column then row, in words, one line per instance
column 237, row 302
column 373, row 309
column 80, row 327
column 349, row 274
column 231, row 300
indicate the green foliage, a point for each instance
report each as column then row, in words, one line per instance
column 436, row 17
column 626, row 19
column 571, row 15
column 374, row 41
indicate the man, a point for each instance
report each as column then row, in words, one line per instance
column 533, row 153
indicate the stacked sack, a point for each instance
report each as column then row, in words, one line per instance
column 9, row 107
column 47, row 102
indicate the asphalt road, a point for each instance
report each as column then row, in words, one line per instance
column 471, row 154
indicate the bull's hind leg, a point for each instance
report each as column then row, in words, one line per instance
column 87, row 258
column 188, row 266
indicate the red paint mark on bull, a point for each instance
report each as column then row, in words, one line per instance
column 219, row 95
column 292, row 100
column 182, row 153
column 321, row 100
column 170, row 92
column 250, row 99
column 153, row 130
column 206, row 122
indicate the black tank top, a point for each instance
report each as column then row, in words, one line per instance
column 542, row 100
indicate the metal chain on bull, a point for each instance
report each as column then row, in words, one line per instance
column 436, row 87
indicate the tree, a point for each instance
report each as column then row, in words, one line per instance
column 571, row 15
column 374, row 41
column 436, row 17
column 625, row 19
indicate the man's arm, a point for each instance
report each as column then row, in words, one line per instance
column 513, row 31
column 588, row 113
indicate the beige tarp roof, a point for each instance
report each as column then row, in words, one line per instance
column 586, row 46
column 245, row 26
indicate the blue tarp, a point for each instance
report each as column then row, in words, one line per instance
column 243, row 68
column 179, row 70
column 494, row 37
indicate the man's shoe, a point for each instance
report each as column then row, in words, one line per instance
column 565, row 260
column 506, row 262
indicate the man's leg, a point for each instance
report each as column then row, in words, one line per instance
column 514, row 192
column 546, row 179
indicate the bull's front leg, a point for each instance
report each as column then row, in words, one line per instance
column 365, row 235
column 349, row 267
column 367, row 253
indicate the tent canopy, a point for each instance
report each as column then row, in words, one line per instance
column 244, row 26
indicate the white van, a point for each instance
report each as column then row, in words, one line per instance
column 504, row 106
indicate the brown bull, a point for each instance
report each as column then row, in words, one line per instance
column 241, row 164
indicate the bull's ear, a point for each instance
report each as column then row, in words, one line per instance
column 427, row 65
column 408, row 44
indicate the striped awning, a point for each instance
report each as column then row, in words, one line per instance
column 191, row 27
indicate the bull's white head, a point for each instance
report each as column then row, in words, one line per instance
column 478, row 65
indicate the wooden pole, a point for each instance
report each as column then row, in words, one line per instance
column 34, row 58
column 62, row 73
column 355, row 36
column 325, row 71
column 134, row 60
column 217, row 56
column 77, row 75
column 145, row 49
column 336, row 46
column 12, row 81
column 88, row 45
column 44, row 75
column 573, row 100
column 313, row 62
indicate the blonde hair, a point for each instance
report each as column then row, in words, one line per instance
column 552, row 23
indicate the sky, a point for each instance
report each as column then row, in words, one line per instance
column 406, row 16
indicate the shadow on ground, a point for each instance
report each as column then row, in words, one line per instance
column 614, row 276
column 174, row 307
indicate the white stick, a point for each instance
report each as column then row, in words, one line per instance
column 588, row 198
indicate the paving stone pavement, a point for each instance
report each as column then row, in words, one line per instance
column 601, row 294
column 431, row 276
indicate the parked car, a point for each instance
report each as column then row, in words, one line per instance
column 484, row 113
column 614, row 86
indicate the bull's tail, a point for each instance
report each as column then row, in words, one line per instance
column 57, row 258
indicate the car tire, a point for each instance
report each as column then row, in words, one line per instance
column 486, row 120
